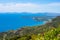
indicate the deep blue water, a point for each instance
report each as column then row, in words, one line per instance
column 16, row 21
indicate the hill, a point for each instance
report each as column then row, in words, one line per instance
column 48, row 31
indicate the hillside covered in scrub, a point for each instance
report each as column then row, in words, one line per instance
column 48, row 31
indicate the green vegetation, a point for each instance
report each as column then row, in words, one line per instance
column 48, row 31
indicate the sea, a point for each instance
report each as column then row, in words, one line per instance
column 14, row 21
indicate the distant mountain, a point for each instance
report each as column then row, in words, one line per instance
column 38, row 14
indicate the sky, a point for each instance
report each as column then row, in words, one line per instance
column 52, row 6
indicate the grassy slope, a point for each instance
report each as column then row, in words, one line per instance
column 33, row 33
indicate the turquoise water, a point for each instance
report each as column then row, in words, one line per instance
column 15, row 21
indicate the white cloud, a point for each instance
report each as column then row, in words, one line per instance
column 30, row 7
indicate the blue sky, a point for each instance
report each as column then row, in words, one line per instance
column 30, row 6
column 31, row 1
